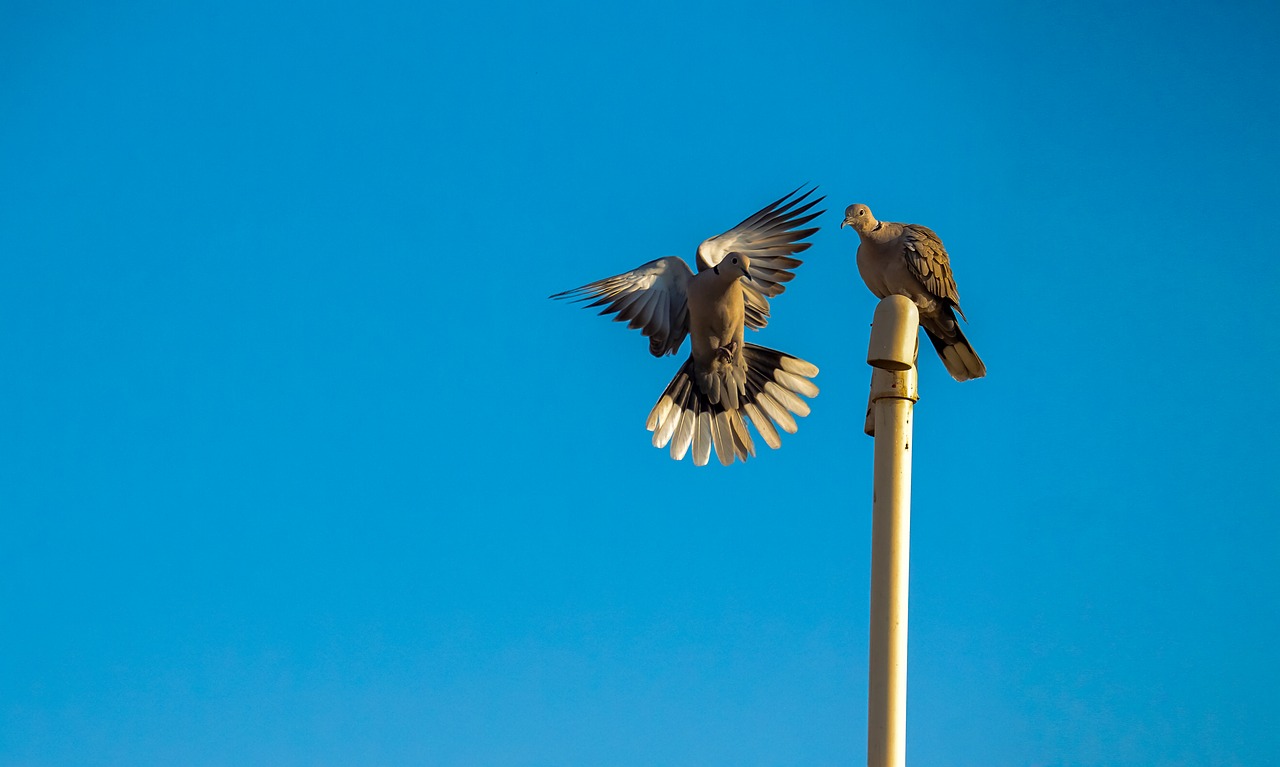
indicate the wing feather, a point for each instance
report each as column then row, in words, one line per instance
column 769, row 237
column 651, row 298
column 929, row 262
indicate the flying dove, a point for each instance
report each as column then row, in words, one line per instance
column 909, row 260
column 724, row 379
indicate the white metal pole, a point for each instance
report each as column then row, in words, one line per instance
column 893, row 349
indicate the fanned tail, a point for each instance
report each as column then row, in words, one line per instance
column 685, row 416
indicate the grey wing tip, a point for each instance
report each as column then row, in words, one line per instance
column 584, row 293
column 572, row 294
column 790, row 198
column 812, row 202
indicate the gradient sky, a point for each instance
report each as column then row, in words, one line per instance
column 299, row 466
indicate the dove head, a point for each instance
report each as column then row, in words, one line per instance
column 859, row 217
column 733, row 266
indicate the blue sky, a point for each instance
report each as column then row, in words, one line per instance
column 299, row 466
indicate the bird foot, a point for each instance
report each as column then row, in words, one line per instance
column 728, row 351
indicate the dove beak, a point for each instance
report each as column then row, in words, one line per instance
column 846, row 221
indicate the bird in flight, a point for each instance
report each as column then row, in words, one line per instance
column 724, row 381
column 909, row 260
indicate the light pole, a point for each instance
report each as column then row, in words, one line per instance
column 892, row 352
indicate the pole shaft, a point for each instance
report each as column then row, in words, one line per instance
column 890, row 554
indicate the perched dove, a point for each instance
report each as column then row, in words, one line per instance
column 909, row 260
column 724, row 379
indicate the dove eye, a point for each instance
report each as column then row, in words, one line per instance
column 735, row 260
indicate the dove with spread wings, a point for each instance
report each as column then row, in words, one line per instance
column 725, row 381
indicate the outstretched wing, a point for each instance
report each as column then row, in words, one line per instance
column 651, row 298
column 769, row 238
column 929, row 262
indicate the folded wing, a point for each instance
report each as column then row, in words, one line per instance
column 929, row 262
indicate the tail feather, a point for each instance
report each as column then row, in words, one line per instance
column 722, row 437
column 764, row 426
column 677, row 399
column 701, row 436
column 741, row 437
column 684, row 434
column 961, row 361
column 685, row 416
column 777, row 412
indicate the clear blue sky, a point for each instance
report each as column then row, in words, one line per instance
column 299, row 466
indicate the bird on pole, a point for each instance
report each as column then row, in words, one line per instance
column 909, row 260
column 724, row 381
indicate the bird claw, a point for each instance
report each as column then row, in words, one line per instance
column 728, row 351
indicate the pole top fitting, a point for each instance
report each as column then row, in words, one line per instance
column 894, row 336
